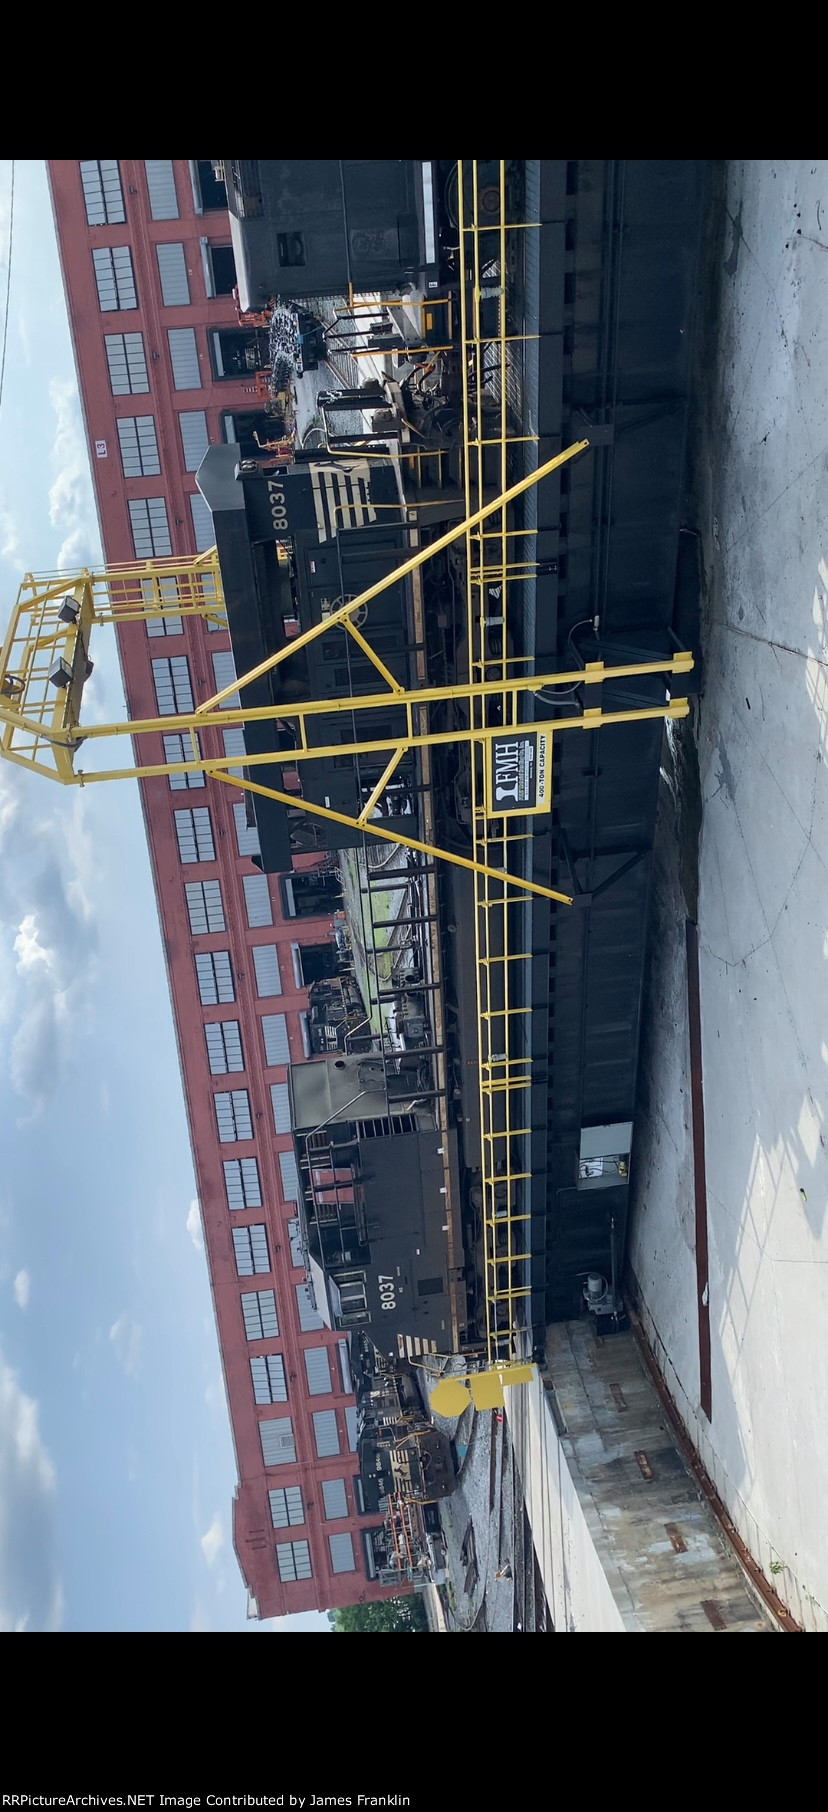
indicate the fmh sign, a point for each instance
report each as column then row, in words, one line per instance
column 518, row 770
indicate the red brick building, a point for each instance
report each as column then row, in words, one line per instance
column 164, row 369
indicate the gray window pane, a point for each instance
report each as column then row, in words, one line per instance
column 184, row 358
column 275, row 1035
column 259, row 1311
column 242, row 1183
column 150, row 527
column 257, row 900
column 127, row 363
column 293, row 1561
column 278, row 1448
column 325, row 1432
column 195, row 837
column 351, row 1425
column 173, row 686
column 342, row 1553
column 335, row 1499
column 161, row 187
column 194, row 438
column 290, row 1176
column 247, row 836
column 318, row 1369
column 172, row 271
column 224, row 1047
column 233, row 1116
column 251, row 1249
column 180, row 748
column 286, row 1508
column 204, row 906
column 102, row 194
column 266, row 965
column 114, row 278
column 215, row 977
column 224, row 668
column 268, row 1376
column 139, row 446
column 202, row 515
column 309, row 1319
column 280, row 1102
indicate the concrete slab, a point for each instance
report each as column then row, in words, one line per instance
column 759, row 742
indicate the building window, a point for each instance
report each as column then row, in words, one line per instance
column 192, row 425
column 259, row 1311
column 219, row 269
column 209, row 192
column 173, row 687
column 233, row 1117
column 150, row 528
column 342, row 1554
column 139, row 447
column 257, row 901
column 351, row 1425
column 238, row 351
column 234, row 745
column 102, row 191
column 250, row 1247
column 247, row 836
column 172, row 272
column 215, row 978
column 127, row 363
column 195, row 835
column 158, row 593
column 318, row 1369
column 274, row 1033
column 241, row 1183
column 335, row 1499
column 309, row 1318
column 291, row 249
column 161, row 188
column 278, row 1445
column 353, row 1298
column 325, row 1432
column 202, row 515
column 224, row 673
column 297, row 1254
column 266, row 965
column 204, row 906
column 280, row 1102
column 286, row 1509
column 359, row 1496
column 114, row 278
column 290, row 1176
column 268, row 1375
column 293, row 1561
column 345, row 1367
column 184, row 358
column 180, row 748
column 224, row 1047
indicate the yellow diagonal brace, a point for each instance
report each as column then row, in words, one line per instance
column 400, row 572
column 424, row 849
column 381, row 785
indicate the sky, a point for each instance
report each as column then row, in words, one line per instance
column 117, row 1469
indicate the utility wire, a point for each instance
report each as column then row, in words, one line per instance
column 8, row 286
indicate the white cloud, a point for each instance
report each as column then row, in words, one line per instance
column 30, row 1592
column 213, row 1542
column 126, row 1335
column 10, row 546
column 21, row 1288
column 194, row 1227
column 48, row 936
column 70, row 494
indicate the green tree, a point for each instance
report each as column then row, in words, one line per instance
column 405, row 1615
